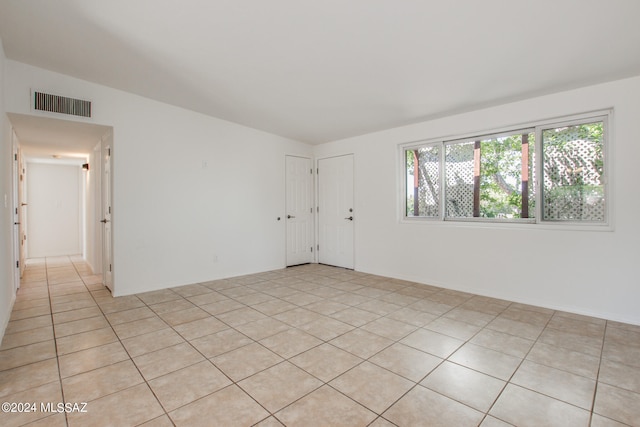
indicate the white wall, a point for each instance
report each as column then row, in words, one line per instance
column 589, row 272
column 53, row 218
column 173, row 214
column 7, row 295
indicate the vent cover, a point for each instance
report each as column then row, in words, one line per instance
column 61, row 104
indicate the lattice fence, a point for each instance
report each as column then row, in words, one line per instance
column 573, row 169
column 459, row 185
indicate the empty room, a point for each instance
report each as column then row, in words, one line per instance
column 337, row 213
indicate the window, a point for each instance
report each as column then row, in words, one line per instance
column 492, row 177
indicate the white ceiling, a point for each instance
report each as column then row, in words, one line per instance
column 318, row 71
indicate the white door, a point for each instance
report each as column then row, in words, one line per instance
column 22, row 211
column 335, row 211
column 299, row 210
column 16, row 218
column 107, row 262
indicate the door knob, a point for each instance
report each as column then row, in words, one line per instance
column 290, row 216
column 350, row 218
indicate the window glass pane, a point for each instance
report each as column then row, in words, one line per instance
column 423, row 181
column 503, row 194
column 491, row 177
column 573, row 168
column 459, row 179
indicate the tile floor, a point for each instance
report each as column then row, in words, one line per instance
column 306, row 346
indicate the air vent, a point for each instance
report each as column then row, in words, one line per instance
column 61, row 104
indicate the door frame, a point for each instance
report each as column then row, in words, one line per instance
column 317, row 202
column 15, row 202
column 108, row 276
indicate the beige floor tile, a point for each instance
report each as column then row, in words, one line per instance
column 263, row 328
column 273, row 307
column 16, row 326
column 565, row 359
column 269, row 422
column 372, row 386
column 135, row 406
column 514, row 327
column 70, row 316
column 573, row 342
column 221, row 342
column 326, row 362
column 490, row 421
column 37, row 311
column 20, row 356
column 406, row 361
column 579, row 327
column 220, row 307
column 84, row 340
column 432, row 342
column 389, row 328
column 152, row 341
column 555, row 383
column 130, row 315
column 361, row 343
column 619, row 375
column 298, row 316
column 27, row 337
column 487, row 361
column 381, row 422
column 19, row 379
column 186, row 385
column 504, row 343
column 412, row 317
column 472, row 317
column 200, row 328
column 453, row 328
column 78, row 326
column 50, row 392
column 522, row 407
column 171, row 306
column 279, row 385
column 166, row 360
column 464, row 385
column 355, row 316
column 422, row 406
column 622, row 353
column 184, row 316
column 92, row 358
column 191, row 290
column 325, row 407
column 290, row 342
column 162, row 421
column 240, row 316
column 157, row 297
column 432, row 307
column 600, row 421
column 100, row 382
column 326, row 328
column 245, row 361
column 617, row 404
column 57, row 420
column 526, row 316
column 227, row 407
column 113, row 305
column 207, row 298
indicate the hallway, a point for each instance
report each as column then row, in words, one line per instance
column 308, row 345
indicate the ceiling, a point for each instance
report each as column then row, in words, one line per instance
column 318, row 71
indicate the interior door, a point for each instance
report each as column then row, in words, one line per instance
column 107, row 254
column 22, row 211
column 16, row 217
column 335, row 211
column 299, row 210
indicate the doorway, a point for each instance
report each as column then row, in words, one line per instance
column 68, row 144
column 299, row 210
column 336, row 214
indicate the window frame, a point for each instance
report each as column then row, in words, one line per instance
column 537, row 127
